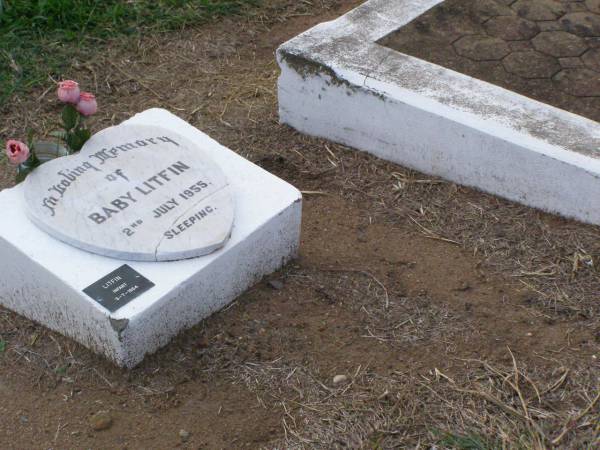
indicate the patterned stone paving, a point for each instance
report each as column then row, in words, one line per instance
column 545, row 49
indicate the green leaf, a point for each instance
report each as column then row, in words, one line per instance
column 72, row 142
column 84, row 135
column 78, row 138
column 22, row 172
column 27, row 167
column 30, row 133
column 69, row 117
column 61, row 370
column 3, row 344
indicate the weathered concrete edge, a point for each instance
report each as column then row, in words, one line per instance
column 422, row 139
column 56, row 305
column 348, row 47
column 326, row 66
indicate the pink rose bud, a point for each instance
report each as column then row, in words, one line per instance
column 68, row 91
column 17, row 151
column 87, row 104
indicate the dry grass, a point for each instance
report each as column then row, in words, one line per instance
column 492, row 407
column 556, row 259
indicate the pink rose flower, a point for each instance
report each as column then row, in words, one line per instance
column 87, row 104
column 17, row 151
column 68, row 91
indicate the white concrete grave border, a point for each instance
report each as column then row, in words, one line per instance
column 336, row 82
column 43, row 278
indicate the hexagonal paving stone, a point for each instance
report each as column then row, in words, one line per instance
column 570, row 62
column 578, row 82
column 511, row 28
column 559, row 43
column 593, row 5
column 490, row 8
column 539, row 9
column 575, row 5
column 552, row 25
column 582, row 23
column 520, row 46
column 481, row 48
column 531, row 64
column 592, row 59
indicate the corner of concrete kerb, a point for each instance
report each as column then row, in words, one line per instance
column 119, row 325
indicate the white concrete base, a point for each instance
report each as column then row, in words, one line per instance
column 337, row 82
column 43, row 278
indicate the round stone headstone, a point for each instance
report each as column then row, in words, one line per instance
column 134, row 192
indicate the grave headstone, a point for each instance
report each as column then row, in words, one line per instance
column 160, row 173
column 134, row 192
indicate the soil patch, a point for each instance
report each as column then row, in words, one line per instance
column 455, row 316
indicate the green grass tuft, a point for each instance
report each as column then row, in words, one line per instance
column 466, row 442
column 40, row 37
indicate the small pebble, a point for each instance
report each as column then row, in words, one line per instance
column 184, row 435
column 276, row 284
column 464, row 286
column 101, row 421
column 339, row 379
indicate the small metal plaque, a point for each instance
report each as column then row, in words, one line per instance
column 118, row 288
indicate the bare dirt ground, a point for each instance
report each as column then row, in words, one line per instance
column 459, row 320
